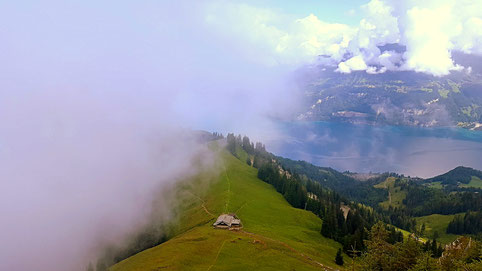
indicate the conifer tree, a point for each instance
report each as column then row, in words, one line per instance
column 339, row 257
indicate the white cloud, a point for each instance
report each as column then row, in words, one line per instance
column 355, row 63
column 430, row 31
column 389, row 59
column 374, row 70
column 470, row 40
column 428, row 38
column 282, row 39
column 321, row 38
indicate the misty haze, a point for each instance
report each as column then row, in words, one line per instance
column 238, row 135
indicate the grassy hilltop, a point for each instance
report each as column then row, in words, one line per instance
column 275, row 236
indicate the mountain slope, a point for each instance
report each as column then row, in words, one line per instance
column 394, row 98
column 275, row 236
column 463, row 177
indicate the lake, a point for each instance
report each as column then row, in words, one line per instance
column 414, row 151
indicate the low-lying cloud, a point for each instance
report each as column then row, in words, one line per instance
column 96, row 104
column 78, row 174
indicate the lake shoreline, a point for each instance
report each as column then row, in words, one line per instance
column 415, row 151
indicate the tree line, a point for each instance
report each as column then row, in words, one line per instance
column 381, row 254
column 470, row 223
column 361, row 192
column 302, row 192
column 384, row 246
column 421, row 200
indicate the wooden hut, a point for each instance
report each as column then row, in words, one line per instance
column 227, row 221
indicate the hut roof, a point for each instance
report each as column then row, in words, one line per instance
column 224, row 219
column 227, row 220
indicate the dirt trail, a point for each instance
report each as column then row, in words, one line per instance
column 389, row 194
column 244, row 204
column 217, row 256
column 202, row 204
column 229, row 189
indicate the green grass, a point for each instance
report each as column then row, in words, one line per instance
column 467, row 110
column 444, row 93
column 436, row 185
column 455, row 87
column 275, row 236
column 437, row 223
column 426, row 89
column 395, row 194
column 475, row 182
column 407, row 234
column 241, row 154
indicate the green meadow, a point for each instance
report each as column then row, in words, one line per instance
column 436, row 185
column 475, row 182
column 395, row 194
column 437, row 223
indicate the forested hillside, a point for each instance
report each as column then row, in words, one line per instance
column 301, row 182
column 458, row 179
column 384, row 247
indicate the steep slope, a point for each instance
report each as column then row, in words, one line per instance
column 344, row 184
column 275, row 235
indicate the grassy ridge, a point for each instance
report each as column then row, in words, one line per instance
column 275, row 236
column 475, row 182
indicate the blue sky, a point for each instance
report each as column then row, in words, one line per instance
column 327, row 10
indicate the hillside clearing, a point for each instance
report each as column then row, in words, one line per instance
column 395, row 194
column 437, row 223
column 475, row 182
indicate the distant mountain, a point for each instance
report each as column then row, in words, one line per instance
column 443, row 194
column 345, row 184
column 395, row 97
column 459, row 177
